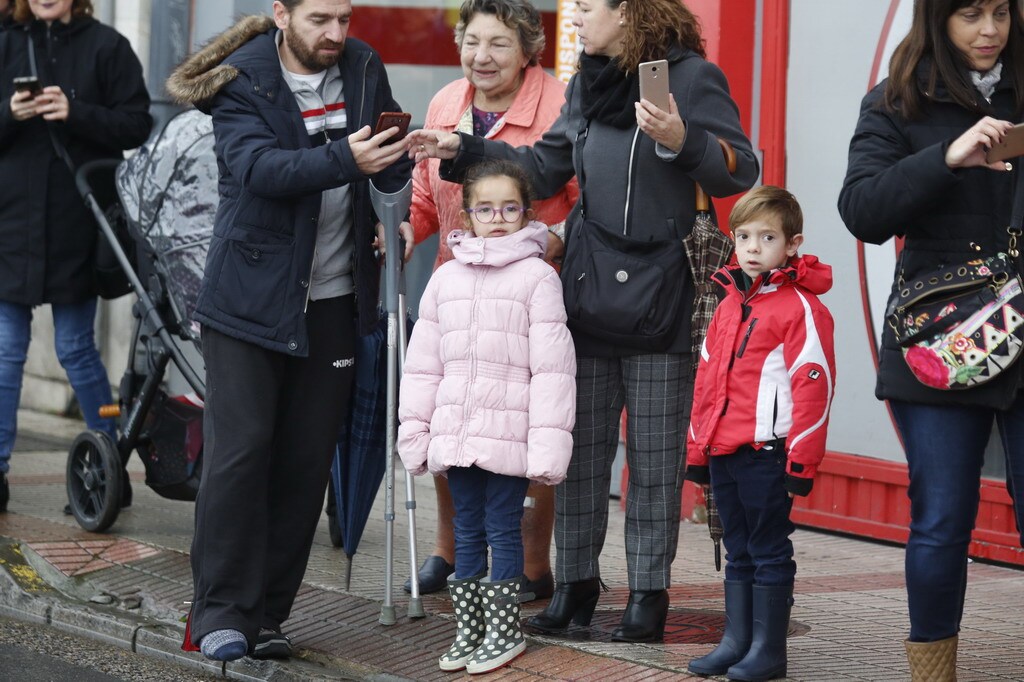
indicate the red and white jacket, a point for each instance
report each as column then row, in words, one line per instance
column 767, row 370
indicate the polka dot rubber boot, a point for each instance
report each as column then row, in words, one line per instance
column 469, row 619
column 504, row 639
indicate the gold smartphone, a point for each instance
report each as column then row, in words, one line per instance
column 1011, row 147
column 654, row 83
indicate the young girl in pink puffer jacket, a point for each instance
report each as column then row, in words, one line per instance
column 488, row 398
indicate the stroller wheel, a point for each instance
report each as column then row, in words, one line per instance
column 94, row 481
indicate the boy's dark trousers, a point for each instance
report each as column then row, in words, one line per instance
column 754, row 507
column 749, row 488
column 271, row 424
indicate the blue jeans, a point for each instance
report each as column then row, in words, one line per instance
column 75, row 344
column 749, row 488
column 488, row 511
column 945, row 451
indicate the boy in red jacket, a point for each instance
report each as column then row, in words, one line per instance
column 760, row 413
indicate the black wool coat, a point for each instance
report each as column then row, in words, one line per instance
column 47, row 235
column 897, row 184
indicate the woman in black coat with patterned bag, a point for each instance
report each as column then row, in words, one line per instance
column 918, row 169
column 91, row 99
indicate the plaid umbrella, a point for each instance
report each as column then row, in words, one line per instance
column 359, row 460
column 707, row 250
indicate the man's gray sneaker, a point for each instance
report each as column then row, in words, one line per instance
column 271, row 644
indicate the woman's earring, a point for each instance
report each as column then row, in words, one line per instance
column 622, row 23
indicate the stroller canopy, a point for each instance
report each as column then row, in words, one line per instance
column 169, row 192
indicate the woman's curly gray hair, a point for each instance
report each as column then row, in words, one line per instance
column 519, row 15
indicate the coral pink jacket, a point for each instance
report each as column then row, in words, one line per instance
column 490, row 374
column 436, row 203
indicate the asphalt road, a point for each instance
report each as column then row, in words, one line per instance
column 38, row 653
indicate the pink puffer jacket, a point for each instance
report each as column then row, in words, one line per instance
column 490, row 374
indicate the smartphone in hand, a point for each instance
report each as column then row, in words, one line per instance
column 391, row 119
column 28, row 84
column 654, row 83
column 1011, row 147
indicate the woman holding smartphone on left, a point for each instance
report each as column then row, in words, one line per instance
column 92, row 101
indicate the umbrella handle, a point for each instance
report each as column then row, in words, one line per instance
column 703, row 202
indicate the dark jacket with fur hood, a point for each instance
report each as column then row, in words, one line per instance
column 271, row 180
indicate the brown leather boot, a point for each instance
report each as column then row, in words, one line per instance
column 932, row 661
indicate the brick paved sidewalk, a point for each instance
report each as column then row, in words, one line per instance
column 848, row 622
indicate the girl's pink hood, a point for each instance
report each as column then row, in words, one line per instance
column 529, row 241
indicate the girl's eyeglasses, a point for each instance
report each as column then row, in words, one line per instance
column 486, row 214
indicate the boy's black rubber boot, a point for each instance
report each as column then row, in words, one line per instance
column 766, row 659
column 738, row 632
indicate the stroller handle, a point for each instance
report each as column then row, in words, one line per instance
column 87, row 169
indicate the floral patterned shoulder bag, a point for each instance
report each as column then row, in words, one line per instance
column 961, row 325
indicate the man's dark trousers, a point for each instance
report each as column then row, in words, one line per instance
column 271, row 423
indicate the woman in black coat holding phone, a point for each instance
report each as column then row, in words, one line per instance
column 92, row 100
column 918, row 170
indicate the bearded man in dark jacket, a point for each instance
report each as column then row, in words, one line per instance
column 290, row 262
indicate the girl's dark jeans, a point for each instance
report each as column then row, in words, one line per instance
column 488, row 512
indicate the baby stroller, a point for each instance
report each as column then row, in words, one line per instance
column 159, row 229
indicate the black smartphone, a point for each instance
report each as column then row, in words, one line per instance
column 391, row 119
column 28, row 84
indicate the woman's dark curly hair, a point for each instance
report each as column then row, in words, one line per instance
column 652, row 27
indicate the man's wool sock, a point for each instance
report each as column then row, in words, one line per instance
column 224, row 645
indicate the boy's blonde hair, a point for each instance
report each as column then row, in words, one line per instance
column 769, row 201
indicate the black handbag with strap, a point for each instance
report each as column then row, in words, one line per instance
column 962, row 324
column 622, row 290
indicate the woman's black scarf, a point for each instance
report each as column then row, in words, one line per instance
column 608, row 93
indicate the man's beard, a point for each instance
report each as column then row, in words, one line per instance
column 310, row 58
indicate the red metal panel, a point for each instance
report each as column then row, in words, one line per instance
column 775, row 66
column 427, row 34
column 728, row 29
column 868, row 497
